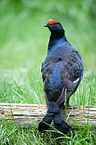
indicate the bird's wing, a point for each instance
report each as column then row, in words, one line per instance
column 72, row 70
column 47, row 69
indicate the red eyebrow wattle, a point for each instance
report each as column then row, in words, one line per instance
column 53, row 21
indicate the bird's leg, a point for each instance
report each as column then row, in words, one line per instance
column 67, row 103
column 46, row 99
column 71, row 106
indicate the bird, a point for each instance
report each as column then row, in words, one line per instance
column 62, row 71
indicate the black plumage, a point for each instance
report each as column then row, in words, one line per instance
column 62, row 71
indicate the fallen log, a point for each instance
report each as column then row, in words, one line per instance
column 28, row 115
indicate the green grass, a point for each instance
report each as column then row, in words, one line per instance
column 23, row 47
column 15, row 135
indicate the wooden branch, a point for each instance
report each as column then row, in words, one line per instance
column 26, row 115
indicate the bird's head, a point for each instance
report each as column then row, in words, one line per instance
column 54, row 26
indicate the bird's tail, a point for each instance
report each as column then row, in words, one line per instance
column 54, row 113
column 60, row 124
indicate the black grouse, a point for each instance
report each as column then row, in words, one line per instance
column 62, row 71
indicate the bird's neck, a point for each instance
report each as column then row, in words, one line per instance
column 55, row 37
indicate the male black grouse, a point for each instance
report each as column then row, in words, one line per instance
column 62, row 71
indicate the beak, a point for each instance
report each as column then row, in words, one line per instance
column 46, row 25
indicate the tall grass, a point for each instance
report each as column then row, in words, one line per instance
column 23, row 47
